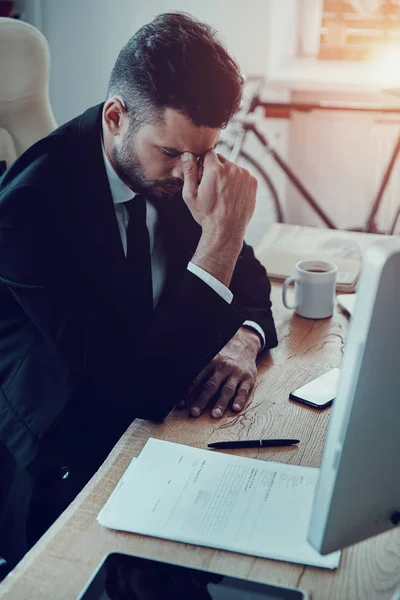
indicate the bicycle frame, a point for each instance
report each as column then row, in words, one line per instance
column 245, row 127
column 291, row 175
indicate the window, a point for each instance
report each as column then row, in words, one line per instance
column 302, row 57
column 358, row 30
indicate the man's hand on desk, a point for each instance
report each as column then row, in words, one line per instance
column 228, row 379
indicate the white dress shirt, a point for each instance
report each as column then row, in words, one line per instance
column 121, row 193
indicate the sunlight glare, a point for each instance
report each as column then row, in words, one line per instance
column 387, row 66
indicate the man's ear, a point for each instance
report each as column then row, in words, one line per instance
column 115, row 115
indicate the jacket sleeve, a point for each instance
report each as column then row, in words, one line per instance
column 251, row 291
column 146, row 376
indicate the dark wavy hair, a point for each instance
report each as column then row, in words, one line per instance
column 177, row 62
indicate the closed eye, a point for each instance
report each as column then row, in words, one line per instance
column 170, row 154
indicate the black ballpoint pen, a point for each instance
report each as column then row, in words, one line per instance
column 254, row 443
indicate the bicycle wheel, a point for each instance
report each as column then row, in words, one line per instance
column 268, row 208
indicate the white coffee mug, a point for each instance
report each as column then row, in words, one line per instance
column 315, row 284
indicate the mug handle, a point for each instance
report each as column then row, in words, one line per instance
column 286, row 284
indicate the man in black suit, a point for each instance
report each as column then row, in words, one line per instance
column 125, row 285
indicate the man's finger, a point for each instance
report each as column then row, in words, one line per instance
column 206, row 372
column 208, row 389
column 242, row 394
column 200, row 168
column 190, row 176
column 210, row 159
column 227, row 392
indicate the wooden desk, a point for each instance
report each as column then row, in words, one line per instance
column 63, row 560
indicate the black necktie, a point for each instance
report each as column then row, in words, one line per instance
column 139, row 259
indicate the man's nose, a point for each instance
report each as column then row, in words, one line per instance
column 177, row 171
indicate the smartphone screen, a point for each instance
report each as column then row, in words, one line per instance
column 319, row 392
column 136, row 578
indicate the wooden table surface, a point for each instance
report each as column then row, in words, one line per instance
column 60, row 564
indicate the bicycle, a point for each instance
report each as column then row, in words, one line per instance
column 233, row 139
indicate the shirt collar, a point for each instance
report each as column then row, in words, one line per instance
column 120, row 192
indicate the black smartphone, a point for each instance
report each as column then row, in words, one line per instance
column 136, row 578
column 320, row 392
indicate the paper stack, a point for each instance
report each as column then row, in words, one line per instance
column 218, row 500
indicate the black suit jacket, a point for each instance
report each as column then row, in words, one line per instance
column 73, row 366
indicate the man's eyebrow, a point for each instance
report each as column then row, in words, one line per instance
column 176, row 151
column 172, row 150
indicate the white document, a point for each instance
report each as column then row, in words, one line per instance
column 219, row 500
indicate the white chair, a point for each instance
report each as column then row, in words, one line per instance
column 25, row 111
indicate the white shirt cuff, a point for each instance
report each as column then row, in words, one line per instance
column 210, row 280
column 258, row 329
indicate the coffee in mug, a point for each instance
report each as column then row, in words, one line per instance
column 315, row 285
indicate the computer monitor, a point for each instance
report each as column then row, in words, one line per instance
column 358, row 492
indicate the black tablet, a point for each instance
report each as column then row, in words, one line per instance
column 126, row 577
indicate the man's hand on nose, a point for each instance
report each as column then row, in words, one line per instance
column 224, row 200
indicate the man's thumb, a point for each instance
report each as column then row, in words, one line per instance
column 189, row 167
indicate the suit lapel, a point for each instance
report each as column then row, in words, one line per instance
column 96, row 234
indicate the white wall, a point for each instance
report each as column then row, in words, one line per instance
column 86, row 35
